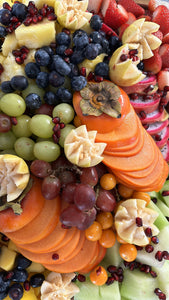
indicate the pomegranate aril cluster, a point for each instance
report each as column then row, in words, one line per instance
column 116, row 274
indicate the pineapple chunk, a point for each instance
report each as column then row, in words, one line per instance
column 11, row 68
column 10, row 43
column 36, row 35
column 12, row 246
column 35, row 268
column 2, row 58
column 7, row 258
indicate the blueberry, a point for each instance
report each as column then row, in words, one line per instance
column 77, row 57
column 100, row 49
column 19, row 82
column 74, row 70
column 91, row 51
column 114, row 43
column 96, row 37
column 48, row 49
column 33, row 101
column 102, row 69
column 5, row 16
column 19, row 10
column 78, row 83
column 55, row 79
column 42, row 80
column 19, row 275
column 80, row 39
column 6, row 87
column 36, row 280
column 63, row 39
column 22, row 262
column 105, row 46
column 15, row 291
column 3, row 294
column 64, row 95
column 96, row 22
column 32, row 70
column 50, row 98
column 61, row 66
column 140, row 66
column 3, row 31
column 60, row 50
column 42, row 57
column 4, row 283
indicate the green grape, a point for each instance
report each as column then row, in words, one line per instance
column 65, row 112
column 43, row 139
column 46, row 150
column 22, row 126
column 13, row 105
column 7, row 140
column 33, row 88
column 64, row 132
column 24, row 148
column 41, row 126
column 8, row 151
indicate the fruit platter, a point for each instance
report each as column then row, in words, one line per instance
column 84, row 149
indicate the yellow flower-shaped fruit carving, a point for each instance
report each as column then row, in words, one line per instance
column 141, row 32
column 72, row 14
column 59, row 287
column 80, row 147
column 131, row 220
column 14, row 176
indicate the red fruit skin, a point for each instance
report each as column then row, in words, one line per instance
column 158, row 34
column 115, row 15
column 140, row 86
column 131, row 18
column 157, row 129
column 154, row 63
column 164, row 139
column 94, row 6
column 165, row 39
column 163, row 80
column 165, row 151
column 109, row 31
column 161, row 17
column 121, row 30
column 164, row 53
column 152, row 5
column 132, row 6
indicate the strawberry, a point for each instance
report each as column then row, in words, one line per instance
column 108, row 31
column 166, row 39
column 94, row 6
column 132, row 6
column 161, row 17
column 131, row 18
column 158, row 34
column 152, row 5
column 164, row 53
column 114, row 15
column 163, row 80
column 154, row 63
column 121, row 29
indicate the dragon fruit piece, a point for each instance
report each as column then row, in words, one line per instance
column 155, row 116
column 165, row 151
column 145, row 103
column 157, row 127
column 162, row 137
column 142, row 86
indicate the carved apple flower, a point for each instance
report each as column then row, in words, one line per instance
column 100, row 98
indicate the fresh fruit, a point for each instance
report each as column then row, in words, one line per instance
column 164, row 53
column 98, row 276
column 161, row 17
column 94, row 6
column 132, row 7
column 154, row 63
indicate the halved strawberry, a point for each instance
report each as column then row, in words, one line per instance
column 154, row 63
column 114, row 15
column 164, row 53
column 158, row 34
column 165, row 39
column 152, row 5
column 161, row 17
column 94, row 6
column 131, row 18
column 109, row 31
column 163, row 80
column 132, row 6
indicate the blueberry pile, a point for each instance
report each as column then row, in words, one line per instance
column 14, row 282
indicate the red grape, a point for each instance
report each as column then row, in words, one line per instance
column 45, row 109
column 40, row 168
column 51, row 187
column 72, row 216
column 5, row 123
column 101, row 170
column 66, row 177
column 89, row 176
column 84, row 197
column 61, row 163
column 68, row 192
column 105, row 200
column 89, row 219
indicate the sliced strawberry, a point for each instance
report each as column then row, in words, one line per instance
column 121, row 29
column 146, row 17
column 158, row 34
column 154, row 63
column 152, row 5
column 161, row 17
column 166, row 39
column 132, row 6
column 94, row 6
column 164, row 53
column 114, row 15
column 163, row 80
column 109, row 31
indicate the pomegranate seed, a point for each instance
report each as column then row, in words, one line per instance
column 55, row 138
column 143, row 115
column 110, row 280
column 1, row 68
column 81, row 278
column 55, row 256
column 4, row 238
column 139, row 222
column 83, row 71
column 165, row 193
column 135, row 58
column 132, row 266
column 166, row 88
column 98, row 78
column 133, row 52
column 19, row 60
column 14, row 19
column 40, row 18
column 45, row 6
column 57, row 133
column 26, row 285
column 16, row 25
column 153, row 274
column 50, row 9
column 43, row 11
column 56, row 120
column 62, row 125
column 98, row 271
column 24, row 56
column 119, row 271
column 27, row 21
column 8, row 275
column 68, row 52
column 162, row 296
column 66, row 59
column 109, row 33
column 16, row 53
column 111, row 269
column 24, row 49
column 146, row 126
column 121, row 277
column 149, row 88
column 56, row 128
column 67, row 31
column 134, row 96
column 159, row 255
column 90, row 76
column 6, row 6
column 65, row 226
column 139, row 248
column 148, row 232
column 154, row 200
column 14, row 121
column 155, row 240
column 157, row 137
column 51, row 17
column 157, row 291
column 10, row 29
column 163, row 101
column 161, row 108
column 124, row 57
column 165, row 255
column 148, row 97
column 149, row 248
column 116, row 277
column 35, row 19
